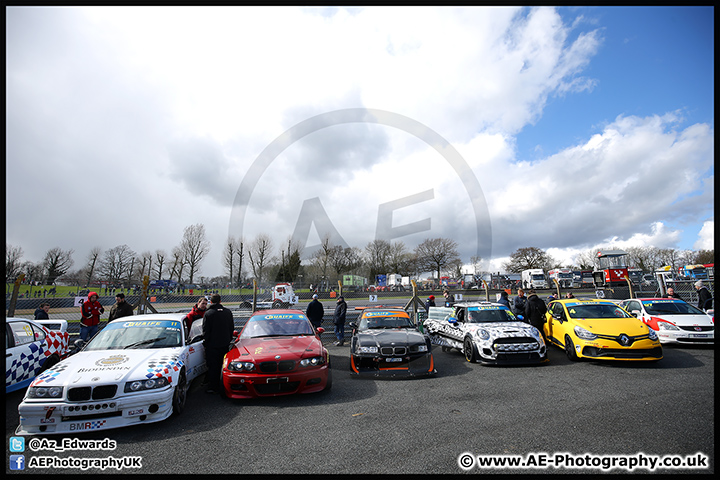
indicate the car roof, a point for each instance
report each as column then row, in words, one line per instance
column 278, row 311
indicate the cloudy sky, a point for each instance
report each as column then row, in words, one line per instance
column 564, row 129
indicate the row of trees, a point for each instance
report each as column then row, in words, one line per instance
column 262, row 260
column 646, row 258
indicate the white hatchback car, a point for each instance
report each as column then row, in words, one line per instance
column 135, row 370
column 674, row 320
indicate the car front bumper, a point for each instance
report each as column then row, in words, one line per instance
column 44, row 417
column 241, row 385
column 413, row 365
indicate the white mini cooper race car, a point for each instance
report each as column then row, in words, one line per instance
column 485, row 332
column 135, row 370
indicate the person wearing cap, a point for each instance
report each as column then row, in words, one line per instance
column 315, row 312
column 339, row 321
column 91, row 310
column 429, row 303
column 705, row 298
column 121, row 308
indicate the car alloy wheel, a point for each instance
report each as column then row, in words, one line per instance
column 180, row 394
column 469, row 350
column 570, row 349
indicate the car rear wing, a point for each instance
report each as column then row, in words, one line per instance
column 54, row 325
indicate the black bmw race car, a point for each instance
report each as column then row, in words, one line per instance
column 385, row 342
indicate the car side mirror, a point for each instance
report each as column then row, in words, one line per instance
column 558, row 317
column 352, row 325
column 195, row 339
column 320, row 330
column 453, row 321
column 635, row 313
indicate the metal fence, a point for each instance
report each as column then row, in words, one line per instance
column 67, row 308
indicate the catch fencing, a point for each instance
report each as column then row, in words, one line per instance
column 68, row 308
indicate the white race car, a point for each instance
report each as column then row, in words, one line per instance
column 674, row 320
column 31, row 347
column 485, row 332
column 135, row 370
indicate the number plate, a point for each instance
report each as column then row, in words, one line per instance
column 393, row 359
column 699, row 335
column 278, row 380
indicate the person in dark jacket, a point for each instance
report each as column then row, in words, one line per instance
column 42, row 312
column 519, row 303
column 671, row 294
column 218, row 326
column 121, row 308
column 504, row 300
column 535, row 311
column 91, row 311
column 315, row 312
column 429, row 303
column 339, row 321
column 705, row 298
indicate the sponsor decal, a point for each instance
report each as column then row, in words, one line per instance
column 112, row 360
column 82, row 426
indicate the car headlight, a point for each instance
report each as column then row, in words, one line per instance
column 584, row 334
column 147, row 384
column 482, row 334
column 238, row 366
column 45, row 392
column 312, row 362
column 367, row 349
column 666, row 326
column 653, row 334
column 421, row 348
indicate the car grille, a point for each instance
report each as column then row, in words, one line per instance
column 274, row 388
column 697, row 329
column 100, row 392
column 282, row 366
column 515, row 340
column 622, row 353
column 393, row 350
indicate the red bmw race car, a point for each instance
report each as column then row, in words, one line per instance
column 277, row 353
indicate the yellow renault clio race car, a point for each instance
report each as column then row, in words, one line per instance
column 599, row 329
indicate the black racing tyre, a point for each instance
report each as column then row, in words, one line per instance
column 51, row 361
column 469, row 350
column 570, row 349
column 180, row 394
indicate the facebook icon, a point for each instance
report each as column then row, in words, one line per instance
column 17, row 462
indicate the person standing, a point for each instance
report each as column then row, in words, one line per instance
column 42, row 312
column 315, row 312
column 705, row 298
column 91, row 310
column 197, row 311
column 671, row 293
column 519, row 303
column 218, row 326
column 448, row 298
column 121, row 308
column 429, row 303
column 339, row 321
column 535, row 310
column 504, row 300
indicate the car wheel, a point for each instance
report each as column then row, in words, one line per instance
column 180, row 394
column 51, row 361
column 570, row 349
column 469, row 350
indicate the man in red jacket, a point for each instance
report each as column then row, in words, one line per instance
column 91, row 311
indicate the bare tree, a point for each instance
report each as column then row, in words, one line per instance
column 438, row 254
column 528, row 257
column 178, row 264
column 259, row 253
column 398, row 258
column 229, row 253
column 377, row 254
column 57, row 262
column 91, row 264
column 159, row 263
column 194, row 247
column 116, row 262
column 240, row 252
column 13, row 265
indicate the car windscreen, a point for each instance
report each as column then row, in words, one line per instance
column 279, row 325
column 598, row 310
column 137, row 334
column 491, row 315
column 378, row 320
column 670, row 308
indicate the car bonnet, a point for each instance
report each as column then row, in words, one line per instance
column 267, row 348
column 112, row 366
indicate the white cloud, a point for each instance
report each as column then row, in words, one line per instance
column 706, row 237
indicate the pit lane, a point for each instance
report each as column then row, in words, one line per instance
column 421, row 426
